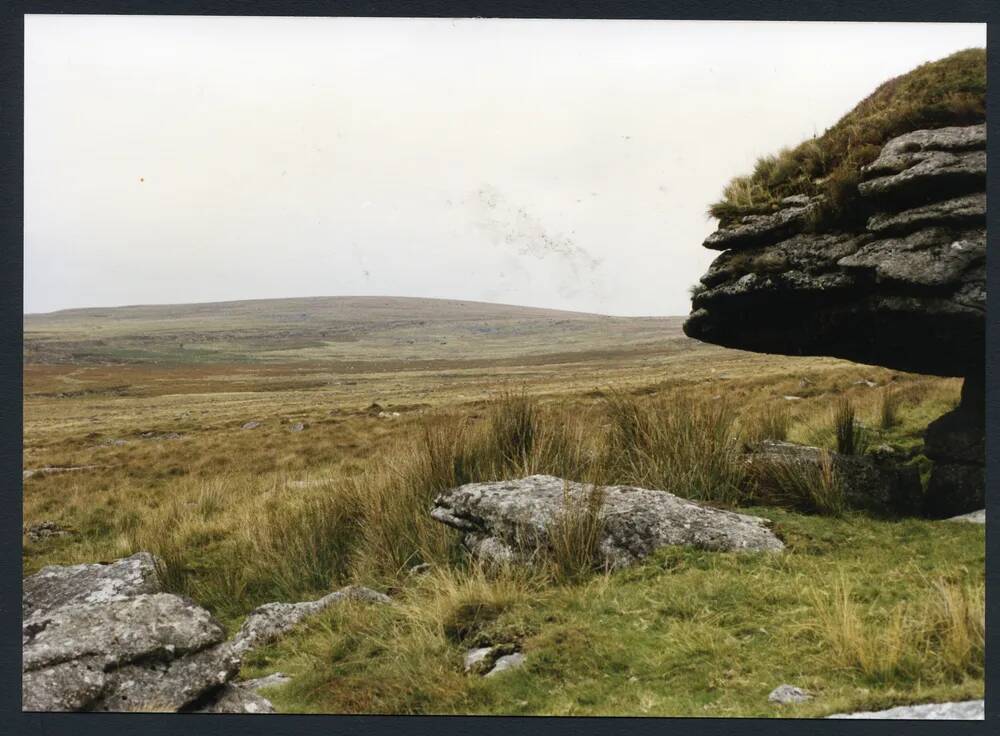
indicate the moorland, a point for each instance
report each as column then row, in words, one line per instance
column 278, row 449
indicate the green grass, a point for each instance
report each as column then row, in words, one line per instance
column 686, row 633
column 951, row 91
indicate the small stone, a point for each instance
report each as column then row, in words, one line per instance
column 507, row 662
column 297, row 427
column 44, row 530
column 973, row 517
column 475, row 658
column 250, row 425
column 786, row 694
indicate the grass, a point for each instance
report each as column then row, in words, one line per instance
column 852, row 437
column 950, row 91
column 246, row 517
column 805, row 486
column 688, row 632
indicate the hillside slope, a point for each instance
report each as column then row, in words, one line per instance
column 323, row 328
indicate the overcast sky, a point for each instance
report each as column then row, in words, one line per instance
column 562, row 164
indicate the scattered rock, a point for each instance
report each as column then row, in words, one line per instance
column 973, row 517
column 44, row 530
column 114, row 442
column 968, row 710
column 479, row 659
column 388, row 414
column 787, row 694
column 422, row 569
column 510, row 520
column 160, row 437
column 250, row 425
column 272, row 620
column 375, row 408
column 507, row 662
column 49, row 470
column 297, row 427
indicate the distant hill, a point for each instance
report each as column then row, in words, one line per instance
column 348, row 328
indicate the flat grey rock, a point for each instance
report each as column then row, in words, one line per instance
column 506, row 663
column 969, row 710
column 273, row 680
column 68, row 686
column 754, row 229
column 170, row 685
column 510, row 520
column 973, row 517
column 269, row 622
column 958, row 212
column 116, row 632
column 788, row 694
column 58, row 585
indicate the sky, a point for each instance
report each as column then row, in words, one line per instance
column 549, row 163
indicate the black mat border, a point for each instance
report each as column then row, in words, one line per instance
column 12, row 720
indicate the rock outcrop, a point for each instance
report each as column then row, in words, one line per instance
column 869, row 482
column 905, row 290
column 511, row 521
column 105, row 637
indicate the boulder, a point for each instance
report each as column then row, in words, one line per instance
column 968, row 710
column 269, row 622
column 104, row 637
column 58, row 585
column 905, row 290
column 873, row 482
column 117, row 632
column 510, row 521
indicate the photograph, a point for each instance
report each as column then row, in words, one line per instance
column 503, row 367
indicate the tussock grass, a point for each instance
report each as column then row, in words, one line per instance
column 772, row 422
column 941, row 637
column 852, row 437
column 889, row 402
column 795, row 484
column 679, row 443
column 575, row 534
column 950, row 91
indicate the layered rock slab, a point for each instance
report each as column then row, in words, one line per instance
column 105, row 637
column 906, row 290
column 512, row 521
